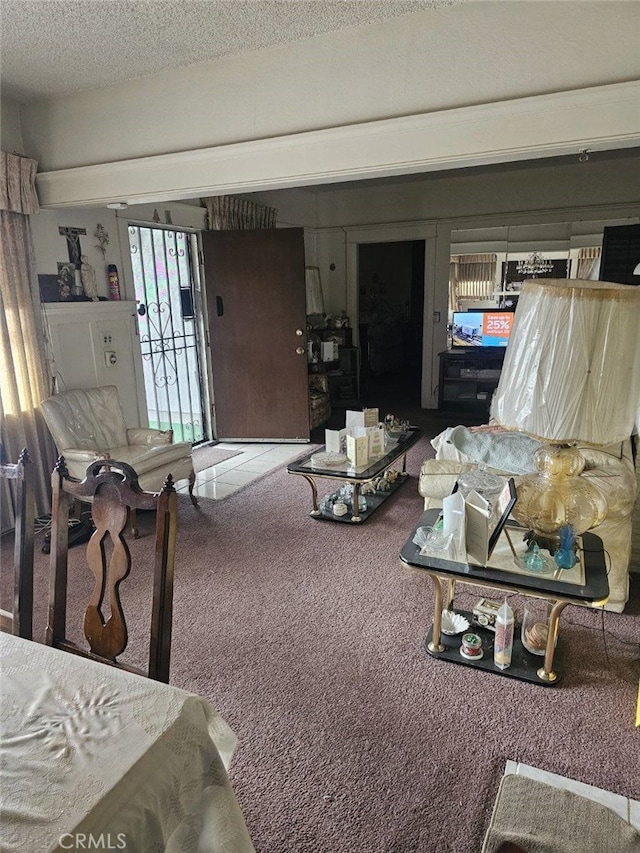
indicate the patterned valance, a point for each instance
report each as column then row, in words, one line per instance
column 18, row 184
column 230, row 213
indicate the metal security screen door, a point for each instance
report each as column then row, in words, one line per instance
column 164, row 275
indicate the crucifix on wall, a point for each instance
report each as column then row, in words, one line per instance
column 72, row 236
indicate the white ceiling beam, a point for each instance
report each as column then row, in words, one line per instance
column 598, row 118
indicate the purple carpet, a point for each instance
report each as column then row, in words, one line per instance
column 308, row 637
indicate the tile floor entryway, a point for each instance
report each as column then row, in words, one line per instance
column 397, row 393
column 252, row 462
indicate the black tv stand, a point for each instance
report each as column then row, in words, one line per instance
column 468, row 378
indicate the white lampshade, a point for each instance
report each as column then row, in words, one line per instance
column 572, row 366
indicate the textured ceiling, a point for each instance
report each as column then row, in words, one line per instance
column 54, row 47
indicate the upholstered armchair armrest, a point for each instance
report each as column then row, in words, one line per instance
column 438, row 477
column 73, row 454
column 151, row 437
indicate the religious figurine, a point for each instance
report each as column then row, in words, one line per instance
column 88, row 275
column 65, row 280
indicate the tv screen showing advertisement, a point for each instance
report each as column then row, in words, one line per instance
column 481, row 328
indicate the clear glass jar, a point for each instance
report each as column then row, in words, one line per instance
column 487, row 485
column 535, row 626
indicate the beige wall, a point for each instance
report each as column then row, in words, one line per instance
column 50, row 246
column 433, row 207
column 439, row 81
column 511, row 194
column 336, row 220
column 10, row 128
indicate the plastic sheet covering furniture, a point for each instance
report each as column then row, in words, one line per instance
column 611, row 468
column 95, row 754
column 88, row 424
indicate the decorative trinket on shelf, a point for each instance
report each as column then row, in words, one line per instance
column 66, row 279
column 565, row 555
column 534, row 560
column 102, row 236
column 453, row 623
column 394, row 426
column 88, row 276
column 471, row 647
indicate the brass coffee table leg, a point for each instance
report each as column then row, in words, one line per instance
column 451, row 591
column 314, row 494
column 435, row 645
column 546, row 673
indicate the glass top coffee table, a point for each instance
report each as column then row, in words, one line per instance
column 585, row 584
column 357, row 477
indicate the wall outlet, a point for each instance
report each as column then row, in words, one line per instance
column 107, row 339
column 110, row 358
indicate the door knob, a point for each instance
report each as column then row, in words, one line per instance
column 299, row 333
column 300, row 350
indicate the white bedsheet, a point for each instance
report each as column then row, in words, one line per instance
column 90, row 754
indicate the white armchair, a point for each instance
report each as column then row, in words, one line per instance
column 88, row 424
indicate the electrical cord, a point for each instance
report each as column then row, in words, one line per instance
column 42, row 522
column 607, row 555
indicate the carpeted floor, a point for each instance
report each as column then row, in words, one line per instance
column 308, row 637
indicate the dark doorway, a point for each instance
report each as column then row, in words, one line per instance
column 391, row 300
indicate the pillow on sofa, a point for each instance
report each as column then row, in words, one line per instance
column 500, row 449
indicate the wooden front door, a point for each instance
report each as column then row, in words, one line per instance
column 255, row 290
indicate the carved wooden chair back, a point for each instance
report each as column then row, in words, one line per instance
column 19, row 620
column 114, row 491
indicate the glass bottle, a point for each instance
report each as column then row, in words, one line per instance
column 503, row 644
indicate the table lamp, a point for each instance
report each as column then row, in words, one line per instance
column 571, row 375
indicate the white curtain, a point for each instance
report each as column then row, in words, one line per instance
column 587, row 258
column 230, row 213
column 471, row 277
column 453, row 286
column 25, row 379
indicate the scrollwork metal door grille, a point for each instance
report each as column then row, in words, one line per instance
column 163, row 274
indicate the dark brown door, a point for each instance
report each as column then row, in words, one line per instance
column 256, row 304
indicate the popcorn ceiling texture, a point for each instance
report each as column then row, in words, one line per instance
column 108, row 41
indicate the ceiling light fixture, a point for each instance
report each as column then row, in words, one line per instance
column 534, row 264
column 118, row 205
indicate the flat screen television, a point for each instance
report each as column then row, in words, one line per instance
column 481, row 328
